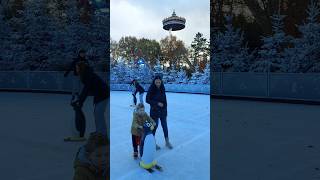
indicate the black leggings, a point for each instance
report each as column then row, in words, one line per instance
column 80, row 121
column 164, row 125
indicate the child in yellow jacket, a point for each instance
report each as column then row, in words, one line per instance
column 139, row 118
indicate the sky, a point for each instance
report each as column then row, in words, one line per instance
column 143, row 18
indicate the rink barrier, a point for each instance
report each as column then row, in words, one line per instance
column 263, row 86
column 284, row 87
column 39, row 81
column 177, row 88
column 55, row 82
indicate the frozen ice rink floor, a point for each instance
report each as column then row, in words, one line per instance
column 265, row 141
column 32, row 130
column 253, row 140
column 189, row 132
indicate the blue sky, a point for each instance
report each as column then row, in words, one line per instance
column 143, row 18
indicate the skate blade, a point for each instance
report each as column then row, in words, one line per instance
column 73, row 139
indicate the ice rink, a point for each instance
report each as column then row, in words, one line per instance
column 265, row 141
column 189, row 132
column 252, row 140
column 32, row 129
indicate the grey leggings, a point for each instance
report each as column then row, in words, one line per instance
column 100, row 118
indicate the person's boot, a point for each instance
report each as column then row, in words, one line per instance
column 168, row 144
column 135, row 155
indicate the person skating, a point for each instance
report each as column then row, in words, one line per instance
column 79, row 120
column 95, row 86
column 157, row 99
column 139, row 118
column 137, row 88
column 92, row 159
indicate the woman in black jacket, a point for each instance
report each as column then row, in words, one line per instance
column 157, row 99
column 95, row 86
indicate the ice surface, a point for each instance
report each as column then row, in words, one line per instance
column 188, row 123
column 32, row 129
column 265, row 141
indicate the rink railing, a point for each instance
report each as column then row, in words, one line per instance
column 178, row 88
column 286, row 86
column 257, row 85
column 51, row 81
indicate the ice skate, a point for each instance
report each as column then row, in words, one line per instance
column 168, row 144
column 135, row 155
column 75, row 138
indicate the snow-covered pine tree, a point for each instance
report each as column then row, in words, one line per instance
column 181, row 77
column 12, row 42
column 305, row 54
column 199, row 49
column 144, row 73
column 172, row 75
column 5, row 34
column 229, row 51
column 271, row 55
column 40, row 30
column 196, row 76
column 206, row 74
column 98, row 40
column 121, row 73
column 158, row 69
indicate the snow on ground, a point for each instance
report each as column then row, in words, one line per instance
column 32, row 130
column 265, row 141
column 189, row 132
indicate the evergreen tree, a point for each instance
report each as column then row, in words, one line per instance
column 200, row 49
column 157, row 68
column 181, row 77
column 305, row 55
column 271, row 55
column 196, row 77
column 229, row 52
column 206, row 74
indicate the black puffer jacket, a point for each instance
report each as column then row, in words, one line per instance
column 139, row 89
column 95, row 86
column 154, row 96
